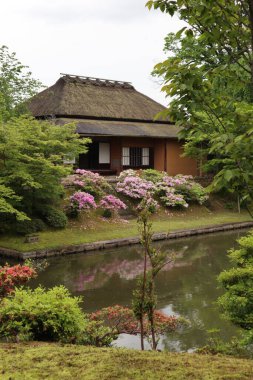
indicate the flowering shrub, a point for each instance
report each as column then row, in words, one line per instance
column 10, row 277
column 121, row 320
column 187, row 187
column 134, row 187
column 172, row 199
column 80, row 201
column 151, row 186
column 89, row 182
column 149, row 204
column 110, row 202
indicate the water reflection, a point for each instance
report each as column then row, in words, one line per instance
column 187, row 288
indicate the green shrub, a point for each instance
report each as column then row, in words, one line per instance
column 55, row 218
column 29, row 226
column 107, row 213
column 237, row 301
column 152, row 175
column 193, row 192
column 49, row 315
column 42, row 315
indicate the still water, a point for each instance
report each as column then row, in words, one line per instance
column 187, row 288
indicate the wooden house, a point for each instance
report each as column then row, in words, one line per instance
column 120, row 122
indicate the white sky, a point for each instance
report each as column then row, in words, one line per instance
column 113, row 39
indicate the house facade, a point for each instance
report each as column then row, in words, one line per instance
column 120, row 122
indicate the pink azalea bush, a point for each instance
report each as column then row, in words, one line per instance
column 170, row 191
column 147, row 188
column 82, row 201
column 134, row 187
column 89, row 182
column 110, row 202
column 172, row 199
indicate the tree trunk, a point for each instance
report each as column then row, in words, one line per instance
column 250, row 3
column 144, row 282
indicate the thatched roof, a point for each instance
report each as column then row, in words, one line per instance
column 122, row 128
column 93, row 98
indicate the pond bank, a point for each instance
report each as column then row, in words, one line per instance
column 114, row 243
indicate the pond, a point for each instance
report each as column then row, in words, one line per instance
column 187, row 288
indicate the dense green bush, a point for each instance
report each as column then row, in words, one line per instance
column 55, row 218
column 237, row 302
column 29, row 226
column 42, row 315
column 49, row 315
column 152, row 175
column 194, row 193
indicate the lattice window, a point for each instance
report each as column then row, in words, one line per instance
column 135, row 157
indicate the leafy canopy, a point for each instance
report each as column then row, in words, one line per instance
column 208, row 76
column 31, row 164
column 16, row 85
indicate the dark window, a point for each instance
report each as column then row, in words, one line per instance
column 135, row 157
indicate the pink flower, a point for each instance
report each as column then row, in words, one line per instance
column 81, row 200
column 110, row 202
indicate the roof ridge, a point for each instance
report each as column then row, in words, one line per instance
column 96, row 81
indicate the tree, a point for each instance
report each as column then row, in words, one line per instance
column 145, row 300
column 31, row 165
column 16, row 85
column 237, row 302
column 209, row 77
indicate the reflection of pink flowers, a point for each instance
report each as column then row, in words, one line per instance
column 82, row 201
column 110, row 202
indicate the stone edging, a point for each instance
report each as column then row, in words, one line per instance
column 107, row 244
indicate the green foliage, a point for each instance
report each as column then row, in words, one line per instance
column 55, row 218
column 31, row 165
column 144, row 298
column 216, row 345
column 8, row 200
column 152, row 175
column 195, row 193
column 16, row 85
column 209, row 77
column 28, row 226
column 237, row 302
column 107, row 213
column 38, row 314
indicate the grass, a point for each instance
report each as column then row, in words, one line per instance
column 97, row 229
column 52, row 361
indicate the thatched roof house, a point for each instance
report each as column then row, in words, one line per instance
column 120, row 121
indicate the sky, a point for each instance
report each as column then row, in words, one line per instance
column 112, row 39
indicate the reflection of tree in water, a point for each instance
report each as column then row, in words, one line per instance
column 188, row 288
